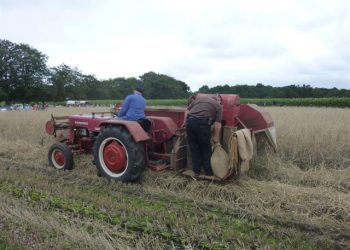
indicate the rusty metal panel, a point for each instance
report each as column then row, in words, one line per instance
column 230, row 109
column 253, row 118
column 176, row 114
column 163, row 128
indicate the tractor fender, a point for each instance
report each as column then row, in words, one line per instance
column 136, row 131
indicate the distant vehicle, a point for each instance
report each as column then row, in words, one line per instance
column 70, row 103
column 18, row 107
column 75, row 103
column 27, row 107
column 6, row 108
column 83, row 103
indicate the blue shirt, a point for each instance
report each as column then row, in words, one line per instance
column 133, row 108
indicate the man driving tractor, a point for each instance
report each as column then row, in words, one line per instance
column 133, row 107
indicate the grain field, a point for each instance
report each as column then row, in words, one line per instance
column 295, row 199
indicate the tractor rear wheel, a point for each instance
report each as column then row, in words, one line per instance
column 117, row 156
column 60, row 156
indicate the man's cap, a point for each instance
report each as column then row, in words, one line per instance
column 139, row 89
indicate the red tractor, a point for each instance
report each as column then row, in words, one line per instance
column 122, row 149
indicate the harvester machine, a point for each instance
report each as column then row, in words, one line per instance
column 123, row 149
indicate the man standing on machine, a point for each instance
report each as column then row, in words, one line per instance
column 203, row 112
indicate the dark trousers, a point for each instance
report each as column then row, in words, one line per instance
column 198, row 137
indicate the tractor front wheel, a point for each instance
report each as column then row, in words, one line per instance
column 60, row 156
column 117, row 156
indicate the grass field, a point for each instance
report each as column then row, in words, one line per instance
column 340, row 102
column 296, row 199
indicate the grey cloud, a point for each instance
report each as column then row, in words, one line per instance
column 319, row 14
column 209, row 43
column 249, row 50
column 218, row 42
column 184, row 69
column 337, row 66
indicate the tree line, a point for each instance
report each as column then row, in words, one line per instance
column 25, row 77
column 266, row 91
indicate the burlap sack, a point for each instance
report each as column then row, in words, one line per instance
column 233, row 153
column 219, row 161
column 245, row 144
column 245, row 148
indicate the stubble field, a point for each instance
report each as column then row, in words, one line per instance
column 295, row 199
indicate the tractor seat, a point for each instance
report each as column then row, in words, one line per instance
column 145, row 124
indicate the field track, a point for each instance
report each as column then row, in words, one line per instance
column 296, row 199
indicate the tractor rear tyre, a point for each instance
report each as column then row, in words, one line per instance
column 117, row 156
column 60, row 157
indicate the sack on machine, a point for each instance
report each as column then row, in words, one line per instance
column 237, row 159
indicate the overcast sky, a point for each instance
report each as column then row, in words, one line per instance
column 199, row 42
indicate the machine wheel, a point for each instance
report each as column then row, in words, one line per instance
column 117, row 156
column 60, row 156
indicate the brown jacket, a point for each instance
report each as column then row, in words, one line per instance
column 205, row 107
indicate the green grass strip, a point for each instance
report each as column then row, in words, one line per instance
column 2, row 245
column 341, row 102
column 233, row 228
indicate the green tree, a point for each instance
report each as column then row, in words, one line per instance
column 3, row 95
column 266, row 91
column 64, row 80
column 23, row 71
column 87, row 87
column 158, row 86
column 204, row 89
